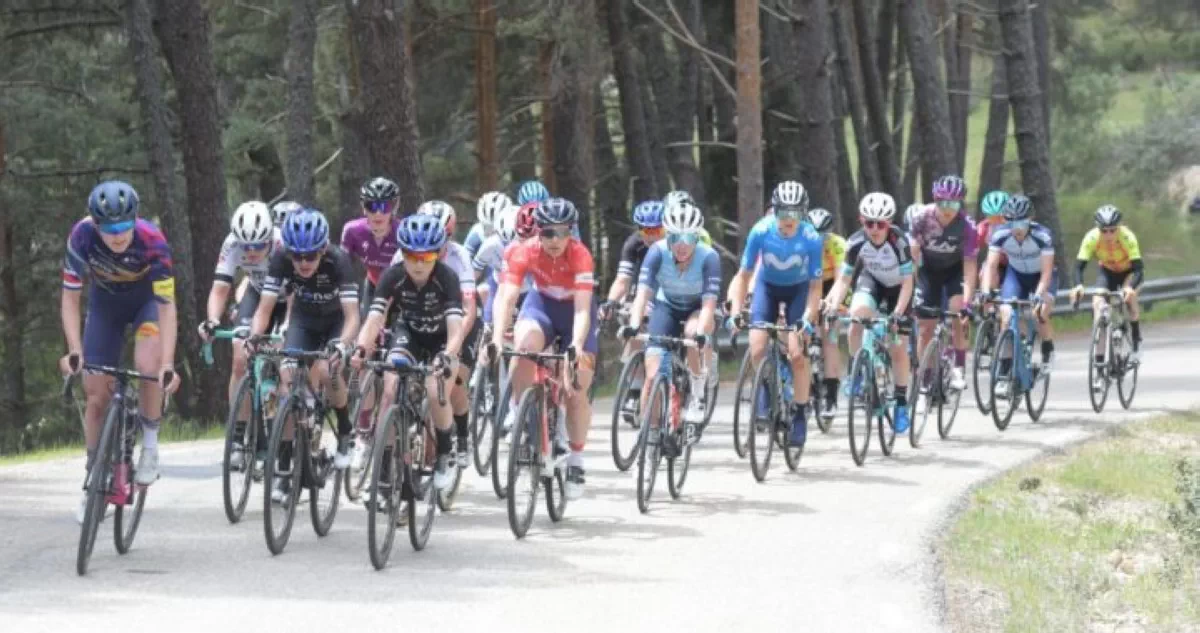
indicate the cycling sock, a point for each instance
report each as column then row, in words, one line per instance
column 343, row 418
column 575, row 458
column 831, row 389
column 460, row 425
column 1047, row 350
column 1137, row 331
column 149, row 432
column 960, row 358
column 443, row 442
column 901, row 395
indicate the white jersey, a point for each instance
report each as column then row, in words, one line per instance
column 232, row 259
column 458, row 260
column 1024, row 256
column 491, row 256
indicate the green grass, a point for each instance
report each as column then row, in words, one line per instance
column 1071, row 542
column 175, row 430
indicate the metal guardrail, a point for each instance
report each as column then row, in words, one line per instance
column 1167, row 289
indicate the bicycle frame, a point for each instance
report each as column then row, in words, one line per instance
column 547, row 374
column 1022, row 370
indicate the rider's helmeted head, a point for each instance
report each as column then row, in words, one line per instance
column 532, row 191
column 789, row 202
column 305, row 236
column 948, row 194
column 420, row 238
column 683, row 222
column 554, row 218
column 113, row 207
column 379, row 197
column 443, row 212
column 489, row 208
column 648, row 216
column 253, row 227
column 1018, row 214
column 992, row 206
column 876, row 211
column 1108, row 220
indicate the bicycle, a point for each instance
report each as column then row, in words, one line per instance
column 815, row 351
column 741, row 441
column 241, row 465
column 871, row 388
column 1111, row 353
column 306, row 414
column 670, row 392
column 536, row 429
column 111, row 476
column 982, row 359
column 931, row 387
column 484, row 396
column 627, row 403
column 366, row 393
column 403, row 459
column 773, row 426
column 1024, row 374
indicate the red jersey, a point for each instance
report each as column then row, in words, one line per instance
column 984, row 231
column 556, row 278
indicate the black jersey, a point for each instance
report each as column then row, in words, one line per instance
column 424, row 309
column 321, row 294
column 633, row 253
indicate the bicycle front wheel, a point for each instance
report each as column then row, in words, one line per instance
column 525, row 462
column 1098, row 378
column 1005, row 396
column 927, row 394
column 128, row 516
column 626, row 415
column 484, row 394
column 1127, row 379
column 650, row 442
column 369, row 398
column 324, row 495
column 383, row 499
column 278, row 516
column 982, row 358
column 743, row 406
column 859, row 409
column 765, row 404
column 98, row 481
column 501, row 442
column 237, row 473
column 422, row 457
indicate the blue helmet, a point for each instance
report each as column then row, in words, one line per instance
column 421, row 233
column 648, row 214
column 305, row 231
column 555, row 211
column 532, row 191
column 113, row 201
column 1017, row 207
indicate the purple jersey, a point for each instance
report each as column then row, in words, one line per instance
column 376, row 255
column 944, row 246
column 146, row 264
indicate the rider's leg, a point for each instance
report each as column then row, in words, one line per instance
column 147, row 357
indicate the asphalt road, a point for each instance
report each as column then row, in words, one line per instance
column 832, row 548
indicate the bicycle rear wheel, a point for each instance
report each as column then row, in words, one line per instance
column 949, row 409
column 278, row 517
column 525, row 461
column 1127, row 378
column 324, row 495
column 237, row 476
column 1004, row 390
column 1098, row 369
column 982, row 358
column 627, row 413
column 556, row 495
column 387, row 480
column 484, row 395
column 743, row 407
column 370, row 394
column 128, row 516
column 446, row 496
column 859, row 409
column 650, row 445
column 98, row 481
column 762, row 429
column 422, row 457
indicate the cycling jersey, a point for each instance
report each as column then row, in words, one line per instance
column 681, row 289
column 475, row 238
column 832, row 255
column 557, row 278
column 455, row 256
column 1024, row 256
column 375, row 254
column 320, row 294
column 424, row 309
column 983, row 232
column 888, row 263
column 785, row 261
column 943, row 246
column 144, row 266
column 490, row 256
column 633, row 253
column 232, row 258
column 1116, row 255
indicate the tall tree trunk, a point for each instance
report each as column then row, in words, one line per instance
column 819, row 158
column 681, row 127
column 267, row 179
column 672, row 91
column 932, row 110
column 1024, row 95
column 633, row 115
column 12, row 326
column 868, row 168
column 1041, row 45
column 611, row 181
column 355, row 164
column 523, row 164
column 572, row 101
column 912, row 164
column 847, row 212
column 784, row 105
column 545, row 62
column 184, row 33
column 749, row 115
column 899, row 99
column 991, row 171
column 960, row 100
column 485, row 94
column 720, row 163
column 944, row 24
column 389, row 108
column 876, row 97
column 301, row 102
column 885, row 29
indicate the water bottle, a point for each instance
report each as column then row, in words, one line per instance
column 785, row 371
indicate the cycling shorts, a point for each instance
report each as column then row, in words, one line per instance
column 764, row 305
column 936, row 287
column 557, row 319
column 882, row 299
column 107, row 317
column 249, row 305
column 1111, row 280
column 1022, row 286
column 667, row 320
column 422, row 348
column 311, row 333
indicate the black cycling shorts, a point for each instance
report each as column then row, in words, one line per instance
column 249, row 305
column 884, row 298
column 312, row 332
column 421, row 347
column 1111, row 280
column 935, row 287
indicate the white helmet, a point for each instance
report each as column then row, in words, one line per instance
column 282, row 209
column 790, row 193
column 506, row 223
column 676, row 196
column 877, row 206
column 683, row 217
column 442, row 210
column 252, row 223
column 490, row 206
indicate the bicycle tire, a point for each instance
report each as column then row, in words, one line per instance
column 484, row 397
column 860, row 439
column 624, row 459
column 1128, row 368
column 883, row 420
column 501, row 442
column 370, row 390
column 650, row 442
column 985, row 339
column 97, row 489
column 125, row 527
column 276, row 542
column 447, row 495
column 740, row 420
column 711, row 392
column 235, row 502
column 762, row 432
column 925, row 394
column 526, row 446
column 1097, row 399
column 556, row 495
column 323, row 517
column 425, row 496
column 379, row 544
column 1007, row 340
column 952, row 401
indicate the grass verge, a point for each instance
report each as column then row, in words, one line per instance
column 1103, row 537
column 174, row 430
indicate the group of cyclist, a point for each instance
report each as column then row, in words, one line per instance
column 523, row 262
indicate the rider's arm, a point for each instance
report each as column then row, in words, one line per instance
column 647, row 285
column 584, row 269
column 639, row 307
column 348, row 296
column 516, row 262
column 812, row 305
column 737, row 290
column 370, row 328
column 1047, row 272
column 970, row 274
column 456, row 323
column 747, row 275
column 712, row 290
column 1138, row 273
column 906, row 288
column 1080, row 267
column 619, row 287
column 71, row 319
column 217, row 297
column 272, row 286
column 241, row 289
column 168, row 323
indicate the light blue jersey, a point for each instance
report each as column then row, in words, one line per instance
column 475, row 238
column 681, row 289
column 1024, row 256
column 785, row 261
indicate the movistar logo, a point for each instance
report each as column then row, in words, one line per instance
column 791, row 262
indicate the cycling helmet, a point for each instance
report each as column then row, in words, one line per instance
column 281, row 210
column 555, row 211
column 949, row 188
column 506, row 224
column 910, row 213
column 526, row 225
column 790, row 193
column 252, row 223
column 378, row 190
column 442, row 211
column 679, row 195
column 648, row 214
column 821, row 219
column 112, row 202
column 305, row 231
column 532, row 191
column 490, row 206
column 993, row 203
column 1018, row 207
column 683, row 218
column 421, row 233
column 1107, row 216
column 877, row 206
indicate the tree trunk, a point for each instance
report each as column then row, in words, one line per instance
column 945, row 24
column 1024, row 95
column 899, row 100
column 1041, row 44
column 485, row 94
column 784, row 105
column 932, row 110
column 868, row 168
column 355, row 164
column 12, row 313
column 633, row 115
column 523, row 165
column 876, row 98
column 885, row 29
column 749, row 115
column 184, row 33
column 847, row 212
column 681, row 126
column 572, row 99
column 912, row 164
column 720, row 162
column 672, row 92
column 545, row 62
column 268, row 178
column 389, row 108
column 611, row 182
column 301, row 102
column 961, row 100
column 819, row 159
column 991, row 172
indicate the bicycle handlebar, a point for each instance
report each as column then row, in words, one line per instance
column 70, row 379
column 236, row 333
column 545, row 358
column 402, row 365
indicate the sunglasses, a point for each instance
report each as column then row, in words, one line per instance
column 256, row 247
column 875, row 224
column 684, row 238
column 1109, row 230
column 305, row 257
column 1019, row 225
column 421, row 257
column 789, row 212
column 560, row 232
column 116, row 229
column 379, row 206
column 655, row 232
column 950, row 204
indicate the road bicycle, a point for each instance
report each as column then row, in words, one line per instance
column 771, row 406
column 627, row 403
column 1017, row 371
column 982, row 359
column 663, row 433
column 1111, row 357
column 872, row 398
column 931, row 389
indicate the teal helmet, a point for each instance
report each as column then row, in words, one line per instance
column 993, row 203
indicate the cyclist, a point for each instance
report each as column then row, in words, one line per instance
column 684, row 278
column 944, row 241
column 779, row 197
column 679, row 195
column 425, row 296
column 1116, row 250
column 487, row 209
column 559, row 307
column 790, row 251
column 281, row 209
column 879, row 259
column 1030, row 275
column 833, row 253
column 132, row 281
column 648, row 216
column 251, row 242
column 324, row 314
column 489, row 259
column 371, row 239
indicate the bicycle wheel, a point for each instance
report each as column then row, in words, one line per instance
column 762, row 431
column 324, row 495
column 883, row 416
column 484, row 395
column 712, row 386
column 1098, row 369
column 982, row 358
column 387, row 477
column 818, row 399
column 98, row 481
column 237, row 478
column 525, row 461
column 743, row 407
column 1004, row 393
column 949, row 409
column 1035, row 396
column 422, row 460
column 627, row 413
column 556, row 495
column 446, row 496
column 128, row 516
column 926, row 394
column 677, row 467
column 370, row 394
column 501, row 443
column 1127, row 378
column 278, row 517
column 859, row 409
column 651, row 439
